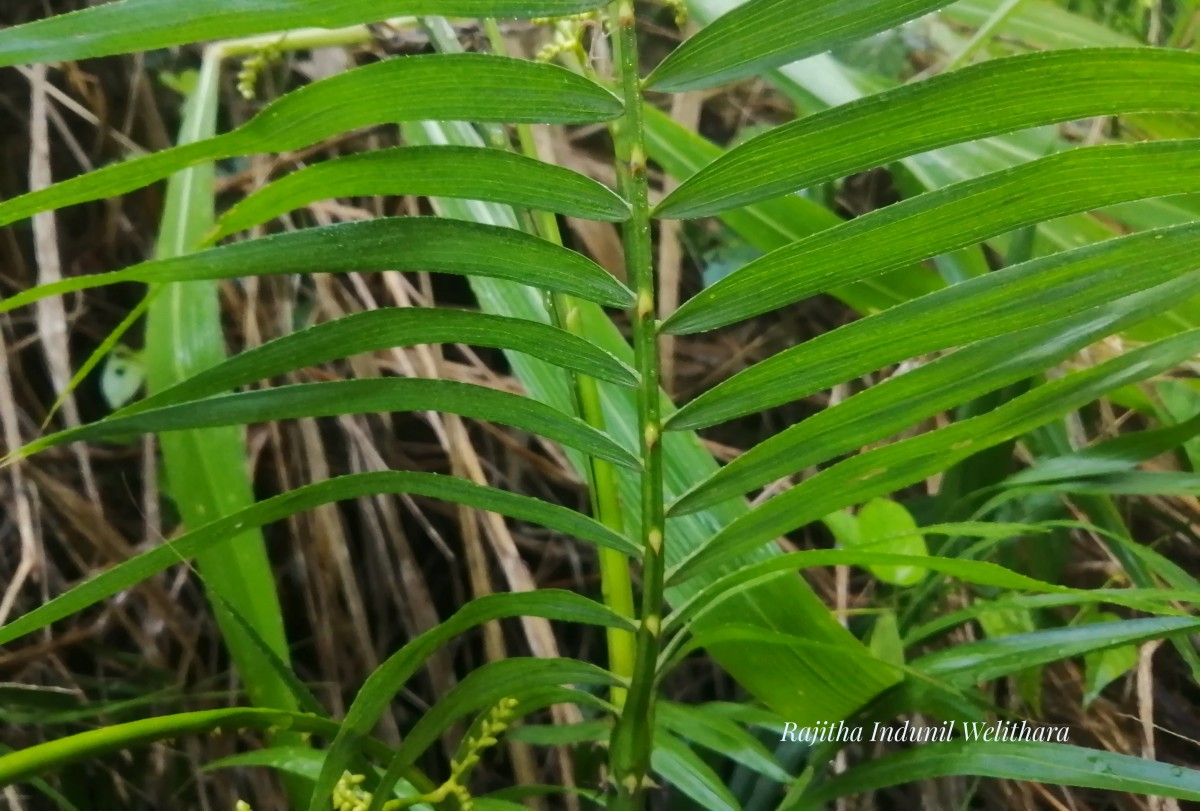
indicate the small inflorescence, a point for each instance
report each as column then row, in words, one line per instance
column 252, row 66
column 348, row 794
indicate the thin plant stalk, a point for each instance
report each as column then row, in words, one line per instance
column 633, row 737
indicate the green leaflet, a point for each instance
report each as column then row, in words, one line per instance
column 980, row 573
column 1054, row 763
column 941, row 221
column 1148, row 597
column 399, row 243
column 972, row 662
column 44, row 757
column 365, row 396
column 773, row 224
column 386, row 328
column 905, row 400
column 886, row 469
column 447, row 87
column 143, row 25
column 448, row 171
column 721, row 735
column 446, row 488
column 1003, row 301
column 688, row 773
column 992, row 98
column 1118, row 455
column 764, row 34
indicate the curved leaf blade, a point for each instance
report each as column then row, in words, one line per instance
column 387, row 328
column 764, row 34
column 394, row 243
column 443, row 87
column 942, row 221
column 41, row 758
column 430, row 171
column 904, row 400
column 972, row 662
column 1007, row 300
column 343, row 488
column 364, row 396
column 991, row 98
column 144, row 25
column 891, row 467
column 1054, row 763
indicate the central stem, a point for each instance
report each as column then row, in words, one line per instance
column 633, row 738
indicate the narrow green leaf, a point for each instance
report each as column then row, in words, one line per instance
column 144, row 25
column 399, row 243
column 764, row 34
column 1102, row 668
column 1007, row 300
column 1053, row 763
column 904, row 400
column 980, row 573
column 773, row 224
column 991, row 98
column 448, row 171
column 447, row 87
column 343, row 488
column 884, row 470
column 366, row 396
column 721, row 735
column 1147, row 598
column 384, row 329
column 1116, row 455
column 1129, row 483
column 26, row 763
column 942, row 221
column 687, row 772
column 973, row 662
